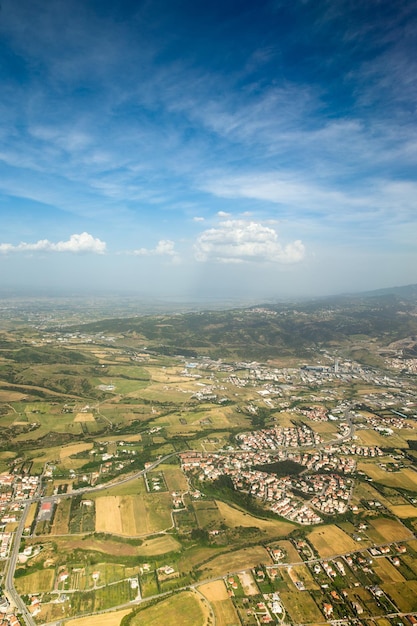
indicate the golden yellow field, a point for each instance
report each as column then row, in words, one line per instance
column 372, row 438
column 11, row 396
column 301, row 607
column 405, row 478
column 301, row 573
column 62, row 517
column 186, row 608
column 174, row 478
column 131, row 438
column 132, row 515
column 390, row 529
column 292, row 555
column 74, row 448
column 233, row 517
column 224, row 611
column 159, row 545
column 386, row 571
column 234, row 561
column 41, row 580
column 403, row 594
column 331, row 540
column 84, row 417
column 105, row 619
column 404, row 511
column 31, row 515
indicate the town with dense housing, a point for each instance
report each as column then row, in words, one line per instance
column 133, row 482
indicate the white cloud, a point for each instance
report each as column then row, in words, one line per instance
column 83, row 242
column 198, row 219
column 236, row 241
column 164, row 247
column 223, row 214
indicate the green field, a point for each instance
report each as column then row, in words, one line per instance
column 185, row 608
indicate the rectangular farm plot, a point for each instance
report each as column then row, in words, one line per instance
column 62, row 518
column 404, row 595
column 207, row 513
column 175, row 478
column 388, row 529
column 404, row 511
column 84, row 417
column 301, row 607
column 133, row 515
column 38, row 582
column 331, row 540
column 224, row 611
column 237, row 560
column 405, row 478
column 109, row 619
column 386, row 571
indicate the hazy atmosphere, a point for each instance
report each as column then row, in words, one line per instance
column 208, row 149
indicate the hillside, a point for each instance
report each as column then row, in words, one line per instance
column 271, row 331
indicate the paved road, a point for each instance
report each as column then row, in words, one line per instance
column 9, row 587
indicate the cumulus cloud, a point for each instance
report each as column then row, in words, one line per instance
column 83, row 242
column 164, row 247
column 223, row 214
column 198, row 219
column 237, row 241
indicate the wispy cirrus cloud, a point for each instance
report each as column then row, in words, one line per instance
column 83, row 242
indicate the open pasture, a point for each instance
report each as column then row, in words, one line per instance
column 74, row 448
column 389, row 530
column 185, row 608
column 40, row 581
column 102, row 598
column 386, row 571
column 217, row 596
column 331, row 540
column 84, row 417
column 132, row 516
column 89, row 543
column 286, row 420
column 105, row 619
column 162, row 544
column 130, row 488
column 124, row 386
column 373, row 438
column 174, row 478
column 299, row 573
column 62, row 517
column 404, row 511
column 234, row 517
column 31, row 515
column 403, row 594
column 8, row 395
column 405, row 478
column 290, row 553
column 246, row 558
column 49, row 423
column 301, row 607
column 207, row 513
column 327, row 430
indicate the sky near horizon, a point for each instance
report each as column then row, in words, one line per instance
column 208, row 149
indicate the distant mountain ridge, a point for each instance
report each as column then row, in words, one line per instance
column 269, row 331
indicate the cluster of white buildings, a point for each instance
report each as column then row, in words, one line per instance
column 273, row 438
column 329, row 493
column 17, row 487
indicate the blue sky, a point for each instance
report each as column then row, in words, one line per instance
column 210, row 149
